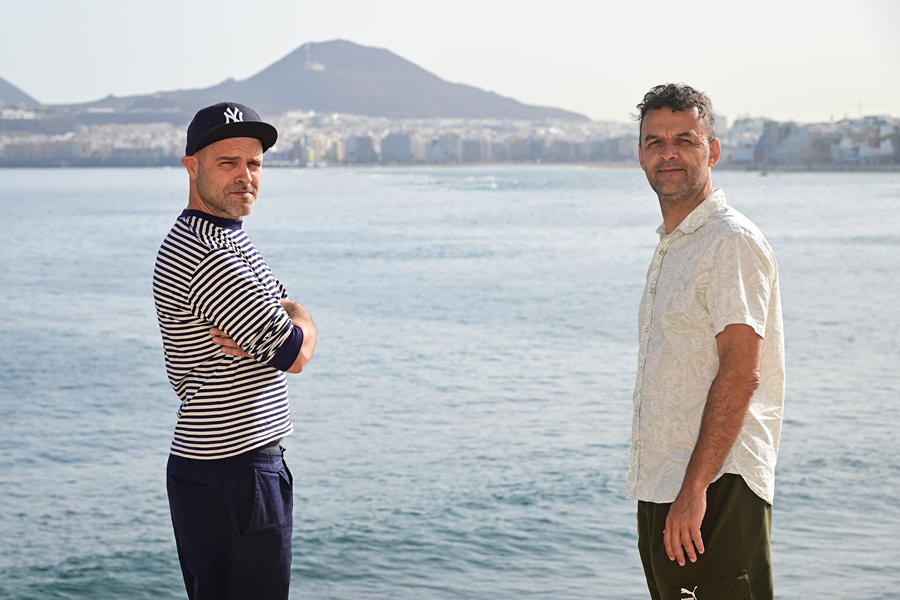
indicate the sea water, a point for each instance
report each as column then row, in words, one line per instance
column 463, row 430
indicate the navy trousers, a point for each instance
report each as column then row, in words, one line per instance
column 233, row 523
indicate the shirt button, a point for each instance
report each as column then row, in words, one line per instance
column 661, row 252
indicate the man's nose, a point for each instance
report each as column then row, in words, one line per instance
column 243, row 175
column 669, row 151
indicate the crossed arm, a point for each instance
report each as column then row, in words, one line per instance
column 730, row 395
column 299, row 317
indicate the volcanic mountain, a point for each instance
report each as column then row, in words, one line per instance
column 340, row 76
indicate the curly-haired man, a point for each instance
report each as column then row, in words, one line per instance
column 709, row 394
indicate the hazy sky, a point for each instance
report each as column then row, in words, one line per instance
column 806, row 60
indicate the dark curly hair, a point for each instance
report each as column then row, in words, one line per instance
column 679, row 96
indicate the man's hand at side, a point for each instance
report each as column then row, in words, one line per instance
column 730, row 395
column 682, row 533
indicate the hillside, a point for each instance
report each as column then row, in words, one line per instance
column 10, row 95
column 340, row 76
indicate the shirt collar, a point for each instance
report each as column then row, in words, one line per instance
column 699, row 216
column 218, row 221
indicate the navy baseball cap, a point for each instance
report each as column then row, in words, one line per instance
column 227, row 120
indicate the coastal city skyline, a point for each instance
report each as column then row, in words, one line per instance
column 804, row 62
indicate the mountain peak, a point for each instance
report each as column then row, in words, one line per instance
column 341, row 76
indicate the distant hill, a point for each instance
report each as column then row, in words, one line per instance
column 10, row 95
column 341, row 76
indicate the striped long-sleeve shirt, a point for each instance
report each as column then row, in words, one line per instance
column 209, row 274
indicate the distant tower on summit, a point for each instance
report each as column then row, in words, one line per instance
column 310, row 65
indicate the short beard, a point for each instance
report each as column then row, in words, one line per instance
column 218, row 199
column 685, row 195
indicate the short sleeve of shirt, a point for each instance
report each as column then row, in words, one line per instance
column 740, row 283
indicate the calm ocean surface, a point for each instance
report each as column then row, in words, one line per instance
column 463, row 430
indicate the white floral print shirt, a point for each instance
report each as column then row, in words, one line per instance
column 715, row 269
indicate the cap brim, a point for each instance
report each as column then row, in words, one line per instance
column 265, row 133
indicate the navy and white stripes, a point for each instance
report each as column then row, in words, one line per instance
column 207, row 274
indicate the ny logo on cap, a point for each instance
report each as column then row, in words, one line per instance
column 233, row 114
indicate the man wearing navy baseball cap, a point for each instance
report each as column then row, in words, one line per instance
column 229, row 334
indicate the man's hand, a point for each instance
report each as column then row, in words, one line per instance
column 229, row 346
column 302, row 319
column 682, row 533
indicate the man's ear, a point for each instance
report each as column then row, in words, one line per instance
column 715, row 152
column 192, row 164
column 641, row 156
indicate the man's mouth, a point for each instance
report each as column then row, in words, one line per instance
column 668, row 170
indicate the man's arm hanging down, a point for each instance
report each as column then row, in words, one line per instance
column 730, row 395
